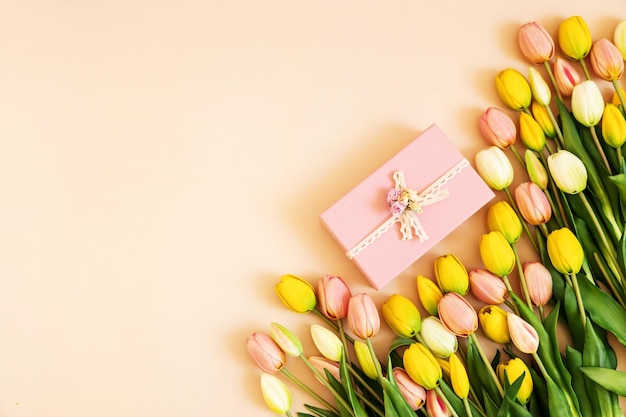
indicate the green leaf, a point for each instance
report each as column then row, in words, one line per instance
column 611, row 379
column 491, row 408
column 479, row 376
column 346, row 381
column 510, row 395
column 341, row 393
column 390, row 411
column 319, row 412
column 550, row 325
column 399, row 342
column 604, row 310
column 594, row 355
column 574, row 323
column 574, row 361
column 390, row 387
column 557, row 402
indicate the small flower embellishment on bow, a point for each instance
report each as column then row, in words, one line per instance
column 401, row 200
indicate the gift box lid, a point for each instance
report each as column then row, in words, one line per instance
column 450, row 192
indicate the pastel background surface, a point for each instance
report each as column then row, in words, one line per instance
column 164, row 162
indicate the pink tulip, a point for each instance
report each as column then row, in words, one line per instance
column 457, row 315
column 523, row 335
column 435, row 405
column 321, row 364
column 566, row 76
column 533, row 203
column 265, row 352
column 413, row 393
column 535, row 43
column 334, row 297
column 606, row 60
column 539, row 282
column 363, row 317
column 487, row 287
column 497, row 128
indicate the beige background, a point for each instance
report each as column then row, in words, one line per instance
column 164, row 162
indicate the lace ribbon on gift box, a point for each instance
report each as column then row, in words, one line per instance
column 405, row 205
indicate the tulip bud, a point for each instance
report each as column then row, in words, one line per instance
column 494, row 167
column 533, row 203
column 535, row 43
column 402, row 316
column 265, row 352
column 513, row 89
column 327, row 342
column 458, row 377
column 451, row 274
column 502, row 218
column 364, row 357
column 363, row 318
column 429, row 294
column 497, row 254
column 565, row 251
column 566, row 76
column 413, row 393
column 445, row 366
column 435, row 405
column 568, row 171
column 487, row 287
column 276, row 394
column 619, row 38
column 542, row 117
column 539, row 282
column 587, row 103
column 297, row 294
column 539, row 87
column 497, row 128
column 613, row 126
column 422, row 366
column 574, row 38
column 523, row 335
column 321, row 365
column 606, row 60
column 334, row 296
column 493, row 321
column 457, row 315
column 287, row 341
column 439, row 340
column 536, row 170
column 531, row 133
column 512, row 370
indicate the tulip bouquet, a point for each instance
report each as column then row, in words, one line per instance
column 545, row 323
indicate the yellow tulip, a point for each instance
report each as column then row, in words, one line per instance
column 513, row 89
column 429, row 294
column 565, row 251
column 536, row 170
column 502, row 217
column 539, row 87
column 513, row 369
column 458, row 377
column 363, row 356
column 494, row 324
column 613, row 126
column 531, row 133
column 497, row 254
column 295, row 293
column 422, row 366
column 402, row 316
column 327, row 342
column 541, row 116
column 276, row 394
column 494, row 167
column 451, row 274
column 574, row 38
column 619, row 38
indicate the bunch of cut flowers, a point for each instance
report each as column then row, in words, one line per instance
column 544, row 323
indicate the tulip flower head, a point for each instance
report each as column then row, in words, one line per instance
column 440, row 341
column 459, row 377
column 429, row 294
column 297, row 294
column 606, row 60
column 321, row 365
column 539, row 282
column 276, row 394
column 502, row 218
column 287, row 341
column 327, row 342
column 493, row 321
column 533, row 203
column 457, row 315
column 402, row 316
column 497, row 128
column 613, row 126
column 574, row 38
column 366, row 361
column 265, row 352
column 451, row 274
column 435, row 405
column 531, row 133
column 494, row 167
column 566, row 77
column 535, row 43
column 542, row 117
column 568, row 172
column 487, row 287
column 523, row 335
column 512, row 370
column 363, row 318
column 539, row 87
column 536, row 170
column 565, row 251
column 334, row 297
column 496, row 253
column 587, row 103
column 619, row 38
column 422, row 366
column 413, row 393
column 513, row 89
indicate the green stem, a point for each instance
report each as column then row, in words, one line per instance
column 579, row 300
column 332, row 324
column 485, row 360
column 548, row 68
column 585, row 70
column 365, row 384
column 342, row 336
column 596, row 142
column 322, row 378
column 468, row 409
column 379, row 370
column 524, row 225
column 445, row 400
column 518, row 156
column 546, row 376
column 559, row 134
column 522, row 278
column 618, row 90
column 306, row 389
column 288, row 414
column 609, row 281
column 509, row 288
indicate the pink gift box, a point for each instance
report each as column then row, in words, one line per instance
column 441, row 189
